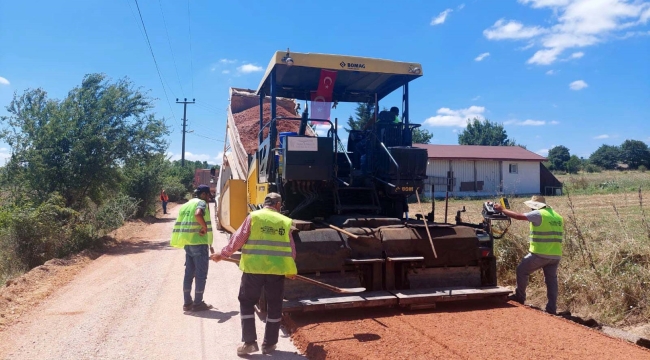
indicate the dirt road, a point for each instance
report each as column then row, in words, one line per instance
column 127, row 305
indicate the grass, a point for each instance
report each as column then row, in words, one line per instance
column 605, row 270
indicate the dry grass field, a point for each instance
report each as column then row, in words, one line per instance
column 605, row 270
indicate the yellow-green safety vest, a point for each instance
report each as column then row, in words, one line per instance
column 268, row 248
column 186, row 229
column 546, row 239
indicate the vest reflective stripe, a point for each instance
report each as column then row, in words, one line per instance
column 268, row 242
column 546, row 239
column 273, row 320
column 244, row 317
column 265, row 252
column 272, row 255
column 186, row 228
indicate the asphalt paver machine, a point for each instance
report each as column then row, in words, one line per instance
column 348, row 199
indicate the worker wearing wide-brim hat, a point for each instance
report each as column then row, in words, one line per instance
column 546, row 234
column 268, row 256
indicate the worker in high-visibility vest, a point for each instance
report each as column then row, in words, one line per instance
column 267, row 257
column 193, row 232
column 546, row 234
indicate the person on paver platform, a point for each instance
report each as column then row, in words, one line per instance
column 193, row 232
column 268, row 255
column 546, row 234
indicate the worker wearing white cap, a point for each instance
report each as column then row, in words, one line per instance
column 546, row 234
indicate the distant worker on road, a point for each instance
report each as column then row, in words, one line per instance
column 268, row 255
column 165, row 199
column 546, row 234
column 193, row 232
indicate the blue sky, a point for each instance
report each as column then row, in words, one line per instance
column 554, row 72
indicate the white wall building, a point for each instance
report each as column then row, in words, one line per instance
column 469, row 170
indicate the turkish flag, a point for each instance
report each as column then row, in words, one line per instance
column 326, row 83
column 320, row 108
column 321, row 99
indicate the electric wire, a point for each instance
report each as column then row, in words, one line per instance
column 170, row 48
column 154, row 60
column 206, row 137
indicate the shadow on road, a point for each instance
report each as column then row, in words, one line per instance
column 135, row 246
column 213, row 314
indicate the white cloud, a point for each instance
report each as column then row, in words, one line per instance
column 4, row 156
column 225, row 72
column 249, row 68
column 511, row 30
column 227, row 61
column 482, row 56
column 603, row 136
column 440, row 19
column 4, row 81
column 543, row 152
column 551, row 72
column 461, row 6
column 528, row 122
column 576, row 24
column 218, row 160
column 578, row 85
column 577, row 55
column 476, row 98
column 192, row 157
column 449, row 117
column 554, row 122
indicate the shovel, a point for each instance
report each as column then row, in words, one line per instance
column 317, row 283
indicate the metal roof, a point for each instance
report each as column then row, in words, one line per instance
column 357, row 80
column 479, row 152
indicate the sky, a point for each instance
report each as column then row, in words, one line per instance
column 554, row 72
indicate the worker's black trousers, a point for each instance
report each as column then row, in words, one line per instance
column 250, row 291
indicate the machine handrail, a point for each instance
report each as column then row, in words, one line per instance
column 288, row 118
column 390, row 156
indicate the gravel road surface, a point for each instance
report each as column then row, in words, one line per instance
column 128, row 305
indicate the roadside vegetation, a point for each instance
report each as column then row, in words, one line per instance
column 79, row 168
column 605, row 270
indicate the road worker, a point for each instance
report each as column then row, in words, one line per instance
column 546, row 234
column 268, row 255
column 193, row 232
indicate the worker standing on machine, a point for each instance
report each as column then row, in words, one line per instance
column 546, row 233
column 268, row 255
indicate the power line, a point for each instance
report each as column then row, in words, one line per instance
column 209, row 138
column 189, row 27
column 154, row 59
column 170, row 49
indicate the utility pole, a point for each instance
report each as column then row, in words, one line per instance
column 184, row 102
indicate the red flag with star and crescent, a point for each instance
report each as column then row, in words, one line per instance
column 321, row 99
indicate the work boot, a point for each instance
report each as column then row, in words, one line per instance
column 201, row 306
column 515, row 298
column 247, row 348
column 267, row 349
column 187, row 307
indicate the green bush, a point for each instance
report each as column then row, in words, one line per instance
column 642, row 168
column 114, row 212
column 174, row 189
column 592, row 168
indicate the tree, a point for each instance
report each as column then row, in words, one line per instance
column 363, row 113
column 606, row 156
column 421, row 136
column 77, row 145
column 635, row 153
column 484, row 132
column 573, row 165
column 558, row 156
